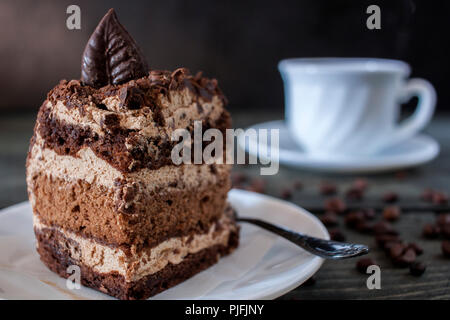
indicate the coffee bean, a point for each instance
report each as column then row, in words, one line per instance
column 390, row 197
column 369, row 213
column 238, row 178
column 383, row 227
column 391, row 213
column 336, row 235
column 446, row 248
column 329, row 219
column 354, row 218
column 360, row 183
column 286, row 194
column 417, row 268
column 363, row 264
column 445, row 231
column 354, row 194
column 388, row 245
column 430, row 231
column 397, row 250
column 443, row 219
column 328, row 188
column 408, row 257
column 427, row 195
column 364, row 227
column 335, row 205
column 417, row 249
column 383, row 239
column 257, row 185
column 439, row 198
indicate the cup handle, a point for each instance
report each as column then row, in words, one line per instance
column 424, row 90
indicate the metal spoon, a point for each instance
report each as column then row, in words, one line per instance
column 323, row 248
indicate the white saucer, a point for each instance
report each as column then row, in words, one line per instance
column 416, row 151
column 264, row 266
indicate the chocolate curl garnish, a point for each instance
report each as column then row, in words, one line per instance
column 111, row 55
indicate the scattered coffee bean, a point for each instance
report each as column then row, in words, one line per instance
column 383, row 239
column 354, row 194
column 369, row 213
column 427, row 195
column 335, row 205
column 390, row 197
column 397, row 250
column 443, row 219
column 364, row 227
column 446, row 248
column 439, row 198
column 388, row 245
column 329, row 219
column 408, row 257
column 363, row 264
column 430, row 231
column 383, row 227
column 417, row 268
column 417, row 249
column 328, row 188
column 286, row 194
column 360, row 183
column 336, row 235
column 391, row 213
column 354, row 218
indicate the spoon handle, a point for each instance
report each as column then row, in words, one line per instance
column 327, row 249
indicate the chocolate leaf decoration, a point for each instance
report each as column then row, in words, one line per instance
column 111, row 55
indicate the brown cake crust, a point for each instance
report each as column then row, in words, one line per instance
column 58, row 259
column 92, row 210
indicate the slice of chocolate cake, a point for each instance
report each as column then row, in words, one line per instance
column 105, row 193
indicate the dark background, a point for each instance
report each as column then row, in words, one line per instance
column 238, row 42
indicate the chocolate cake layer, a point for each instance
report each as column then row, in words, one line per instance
column 155, row 215
column 59, row 252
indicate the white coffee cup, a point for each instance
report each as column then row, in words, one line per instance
column 350, row 106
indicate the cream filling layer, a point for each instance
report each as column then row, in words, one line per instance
column 87, row 166
column 105, row 259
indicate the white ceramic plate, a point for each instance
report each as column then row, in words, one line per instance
column 263, row 267
column 413, row 152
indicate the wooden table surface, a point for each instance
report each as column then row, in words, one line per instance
column 336, row 279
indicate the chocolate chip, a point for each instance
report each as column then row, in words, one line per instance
column 329, row 219
column 417, row 268
column 363, row 264
column 446, row 248
column 391, row 213
column 390, row 197
column 336, row 235
column 328, row 188
column 430, row 231
column 335, row 205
